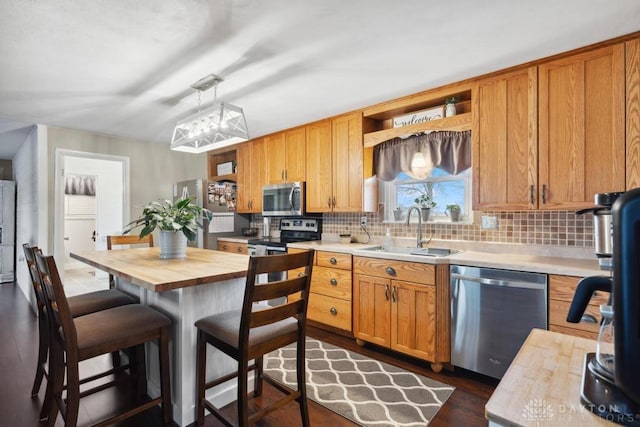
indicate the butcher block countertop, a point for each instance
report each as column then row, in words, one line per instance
column 542, row 385
column 143, row 267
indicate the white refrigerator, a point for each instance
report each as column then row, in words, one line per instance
column 7, row 230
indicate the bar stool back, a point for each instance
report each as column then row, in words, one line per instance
column 128, row 239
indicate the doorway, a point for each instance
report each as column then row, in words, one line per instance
column 91, row 202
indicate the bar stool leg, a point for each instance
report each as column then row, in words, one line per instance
column 165, row 382
column 201, row 368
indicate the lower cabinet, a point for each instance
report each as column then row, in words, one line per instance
column 396, row 305
column 330, row 296
column 561, row 291
column 236, row 248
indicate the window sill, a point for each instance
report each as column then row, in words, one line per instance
column 466, row 221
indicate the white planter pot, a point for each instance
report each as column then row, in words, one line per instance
column 425, row 214
column 173, row 245
column 450, row 110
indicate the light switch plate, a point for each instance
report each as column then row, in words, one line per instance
column 489, row 222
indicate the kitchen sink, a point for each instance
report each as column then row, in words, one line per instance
column 432, row 252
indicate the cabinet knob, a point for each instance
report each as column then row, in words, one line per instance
column 333, row 281
column 333, row 311
column 589, row 318
column 391, row 271
column 239, row 249
column 300, row 274
column 224, row 247
column 333, row 261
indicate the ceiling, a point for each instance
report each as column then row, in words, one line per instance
column 125, row 68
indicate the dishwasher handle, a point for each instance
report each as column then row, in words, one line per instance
column 497, row 282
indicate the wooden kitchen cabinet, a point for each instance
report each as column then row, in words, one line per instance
column 334, row 165
column 251, row 176
column 331, row 290
column 232, row 247
column 395, row 305
column 561, row 291
column 286, row 156
column 581, row 143
column 505, row 138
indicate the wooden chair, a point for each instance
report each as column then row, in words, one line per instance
column 73, row 340
column 255, row 330
column 129, row 239
column 78, row 305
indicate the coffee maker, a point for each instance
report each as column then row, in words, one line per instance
column 611, row 376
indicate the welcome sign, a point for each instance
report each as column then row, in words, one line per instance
column 419, row 117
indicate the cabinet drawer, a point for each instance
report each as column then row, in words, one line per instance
column 330, row 311
column 331, row 282
column 236, row 248
column 396, row 270
column 558, row 316
column 564, row 287
column 334, row 260
column 574, row 332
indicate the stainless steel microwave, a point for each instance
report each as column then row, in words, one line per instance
column 283, row 199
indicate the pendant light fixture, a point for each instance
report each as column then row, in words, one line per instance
column 218, row 126
column 420, row 169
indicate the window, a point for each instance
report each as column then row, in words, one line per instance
column 443, row 188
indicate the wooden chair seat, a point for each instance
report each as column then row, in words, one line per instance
column 83, row 304
column 255, row 330
column 73, row 340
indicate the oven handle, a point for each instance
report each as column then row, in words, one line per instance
column 291, row 198
column 276, row 249
column 495, row 282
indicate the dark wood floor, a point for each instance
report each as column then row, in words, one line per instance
column 18, row 352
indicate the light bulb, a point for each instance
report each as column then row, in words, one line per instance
column 419, row 167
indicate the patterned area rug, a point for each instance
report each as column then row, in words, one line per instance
column 365, row 391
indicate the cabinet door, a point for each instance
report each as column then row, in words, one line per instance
column 347, row 157
column 296, row 155
column 318, row 164
column 243, row 196
column 505, row 141
column 413, row 319
column 371, row 309
column 258, row 174
column 632, row 68
column 275, row 160
column 582, row 128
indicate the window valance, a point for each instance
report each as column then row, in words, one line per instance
column 449, row 151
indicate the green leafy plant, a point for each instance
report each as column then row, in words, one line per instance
column 182, row 215
column 453, row 208
column 451, row 100
column 424, row 200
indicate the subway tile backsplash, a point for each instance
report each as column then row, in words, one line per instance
column 557, row 228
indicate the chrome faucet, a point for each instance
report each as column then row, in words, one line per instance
column 419, row 239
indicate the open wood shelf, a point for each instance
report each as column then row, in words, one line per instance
column 459, row 122
column 229, row 177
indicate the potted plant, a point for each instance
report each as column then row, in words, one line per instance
column 177, row 221
column 425, row 203
column 397, row 214
column 453, row 210
column 450, row 106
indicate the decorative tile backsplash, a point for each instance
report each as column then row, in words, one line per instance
column 558, row 228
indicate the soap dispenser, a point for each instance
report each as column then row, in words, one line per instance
column 387, row 243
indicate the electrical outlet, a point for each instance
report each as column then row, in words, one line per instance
column 363, row 220
column 489, row 222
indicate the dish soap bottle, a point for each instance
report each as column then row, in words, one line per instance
column 387, row 243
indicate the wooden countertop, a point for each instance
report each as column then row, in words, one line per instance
column 143, row 267
column 546, row 377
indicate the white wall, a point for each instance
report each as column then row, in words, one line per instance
column 26, row 175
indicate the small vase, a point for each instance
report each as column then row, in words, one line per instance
column 173, row 245
column 455, row 216
column 397, row 214
column 425, row 214
column 450, row 110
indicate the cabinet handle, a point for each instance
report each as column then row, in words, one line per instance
column 394, row 294
column 329, row 201
column 531, row 194
column 386, row 292
column 391, row 271
column 333, row 281
column 334, row 201
column 544, row 193
column 282, row 174
column 285, row 175
column 333, row 261
column 224, row 247
column 333, row 311
column 589, row 318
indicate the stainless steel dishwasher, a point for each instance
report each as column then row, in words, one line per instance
column 492, row 313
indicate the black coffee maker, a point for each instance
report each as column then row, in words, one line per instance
column 611, row 377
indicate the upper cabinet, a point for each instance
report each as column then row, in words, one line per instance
column 632, row 56
column 251, row 175
column 581, row 128
column 505, row 141
column 553, row 135
column 286, row 154
column 335, row 165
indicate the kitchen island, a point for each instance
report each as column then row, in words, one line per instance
column 206, row 282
